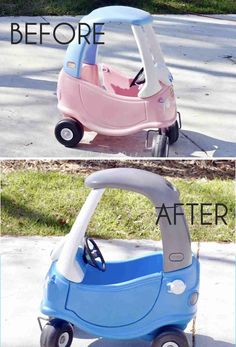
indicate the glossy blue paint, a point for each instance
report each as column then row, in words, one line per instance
column 131, row 298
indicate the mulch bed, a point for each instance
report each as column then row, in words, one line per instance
column 173, row 168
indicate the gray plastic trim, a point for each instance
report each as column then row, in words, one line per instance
column 155, row 187
column 175, row 238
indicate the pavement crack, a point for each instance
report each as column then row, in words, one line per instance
column 194, row 333
column 45, row 20
column 52, row 26
column 195, row 143
column 230, row 58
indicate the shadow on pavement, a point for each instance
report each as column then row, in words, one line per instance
column 100, row 342
column 131, row 145
column 200, row 341
column 207, row 341
column 107, row 343
column 212, row 144
column 218, row 260
column 134, row 145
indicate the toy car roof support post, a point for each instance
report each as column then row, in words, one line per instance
column 154, row 65
column 67, row 264
column 177, row 252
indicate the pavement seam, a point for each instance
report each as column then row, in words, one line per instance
column 195, row 143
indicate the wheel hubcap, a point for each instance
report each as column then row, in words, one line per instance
column 66, row 134
column 63, row 340
column 170, row 344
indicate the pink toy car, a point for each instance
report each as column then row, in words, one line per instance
column 118, row 106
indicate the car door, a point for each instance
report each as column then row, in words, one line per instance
column 114, row 305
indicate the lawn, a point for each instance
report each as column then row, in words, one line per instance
column 70, row 7
column 46, row 203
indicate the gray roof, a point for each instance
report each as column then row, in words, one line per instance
column 155, row 187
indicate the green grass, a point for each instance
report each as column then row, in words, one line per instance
column 66, row 7
column 46, row 203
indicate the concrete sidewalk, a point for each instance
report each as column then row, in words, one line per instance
column 200, row 52
column 25, row 262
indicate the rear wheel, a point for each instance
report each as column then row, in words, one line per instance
column 173, row 133
column 69, row 132
column 56, row 333
column 171, row 337
column 160, row 145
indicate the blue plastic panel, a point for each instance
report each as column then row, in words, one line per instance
column 91, row 49
column 168, row 309
column 74, row 57
column 117, row 294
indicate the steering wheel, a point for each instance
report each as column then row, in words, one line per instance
column 92, row 254
column 137, row 77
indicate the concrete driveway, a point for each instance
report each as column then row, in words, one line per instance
column 25, row 262
column 200, row 52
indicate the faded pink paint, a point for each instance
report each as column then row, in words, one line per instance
column 89, row 73
column 114, row 109
column 116, row 83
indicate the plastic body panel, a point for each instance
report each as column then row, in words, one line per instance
column 116, row 293
column 111, row 114
column 166, row 308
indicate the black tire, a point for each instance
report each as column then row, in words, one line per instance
column 173, row 132
column 160, row 146
column 171, row 337
column 56, row 333
column 72, row 128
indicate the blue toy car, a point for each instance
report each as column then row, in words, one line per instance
column 152, row 297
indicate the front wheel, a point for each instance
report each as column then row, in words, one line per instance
column 160, row 145
column 69, row 132
column 171, row 338
column 56, row 333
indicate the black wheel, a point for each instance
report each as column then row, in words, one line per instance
column 171, row 338
column 69, row 132
column 160, row 145
column 56, row 333
column 173, row 132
